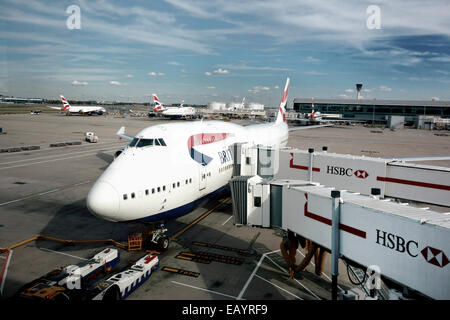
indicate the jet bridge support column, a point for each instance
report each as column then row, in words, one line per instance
column 310, row 164
column 335, row 253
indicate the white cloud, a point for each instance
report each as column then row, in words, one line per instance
column 258, row 89
column 344, row 96
column 79, row 83
column 311, row 60
column 154, row 74
column 183, row 71
column 115, row 83
column 435, row 98
column 129, row 76
column 161, row 73
column 221, row 71
column 211, row 87
column 174, row 63
column 208, row 73
column 349, row 90
column 276, row 87
column 385, row 89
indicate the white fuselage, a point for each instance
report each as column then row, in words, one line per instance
column 179, row 112
column 85, row 109
column 160, row 182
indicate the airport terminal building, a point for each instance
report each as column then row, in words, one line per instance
column 374, row 110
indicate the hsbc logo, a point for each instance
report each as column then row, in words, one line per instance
column 435, row 256
column 361, row 174
column 395, row 242
column 341, row 171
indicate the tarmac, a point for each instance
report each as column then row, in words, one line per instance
column 43, row 192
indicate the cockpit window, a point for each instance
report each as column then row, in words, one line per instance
column 144, row 143
column 140, row 143
column 133, row 142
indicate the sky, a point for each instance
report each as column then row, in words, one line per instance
column 224, row 50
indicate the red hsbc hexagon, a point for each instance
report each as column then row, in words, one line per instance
column 361, row 174
column 435, row 256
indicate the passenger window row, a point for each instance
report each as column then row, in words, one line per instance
column 157, row 189
column 228, row 167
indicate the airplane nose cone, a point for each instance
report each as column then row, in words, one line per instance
column 103, row 201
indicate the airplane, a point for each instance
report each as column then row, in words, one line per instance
column 180, row 112
column 168, row 169
column 172, row 112
column 79, row 109
column 314, row 116
column 158, row 105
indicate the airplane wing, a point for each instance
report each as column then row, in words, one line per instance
column 424, row 158
column 121, row 133
column 309, row 127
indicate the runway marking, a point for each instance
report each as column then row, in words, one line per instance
column 64, row 254
column 287, row 272
column 202, row 289
column 50, row 156
column 5, row 270
column 239, row 297
column 45, row 192
column 265, row 255
column 51, row 191
column 227, row 220
column 59, row 159
column 323, row 273
column 278, row 287
column 207, row 213
column 46, row 148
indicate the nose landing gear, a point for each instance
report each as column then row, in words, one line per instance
column 156, row 238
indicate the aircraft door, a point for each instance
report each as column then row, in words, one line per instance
column 202, row 178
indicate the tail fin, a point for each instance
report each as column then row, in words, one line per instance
column 312, row 109
column 158, row 105
column 281, row 117
column 243, row 103
column 66, row 104
column 182, row 104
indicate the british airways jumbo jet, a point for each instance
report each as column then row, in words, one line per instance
column 79, row 109
column 168, row 169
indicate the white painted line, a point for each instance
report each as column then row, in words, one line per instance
column 202, row 289
column 5, row 271
column 65, row 254
column 323, row 273
column 12, row 201
column 81, row 183
column 43, row 193
column 47, row 148
column 227, row 220
column 50, row 156
column 239, row 297
column 287, row 272
column 279, row 287
column 47, row 192
column 44, row 161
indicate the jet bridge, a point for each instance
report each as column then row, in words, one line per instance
column 394, row 178
column 407, row 245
